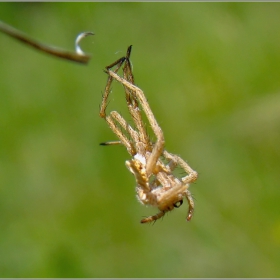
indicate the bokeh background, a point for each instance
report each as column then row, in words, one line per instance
column 211, row 72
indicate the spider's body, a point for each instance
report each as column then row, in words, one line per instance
column 156, row 184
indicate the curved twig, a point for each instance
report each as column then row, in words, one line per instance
column 78, row 56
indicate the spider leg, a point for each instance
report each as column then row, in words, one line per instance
column 132, row 143
column 107, row 90
column 159, row 145
column 117, row 130
column 133, row 95
column 111, row 118
column 111, row 143
column 153, row 218
column 191, row 177
column 176, row 160
column 133, row 104
column 124, row 124
column 118, row 63
column 191, row 205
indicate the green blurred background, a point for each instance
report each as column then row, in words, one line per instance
column 211, row 72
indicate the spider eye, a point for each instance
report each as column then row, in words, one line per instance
column 178, row 204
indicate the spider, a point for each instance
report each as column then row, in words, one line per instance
column 151, row 164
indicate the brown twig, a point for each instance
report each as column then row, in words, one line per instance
column 77, row 56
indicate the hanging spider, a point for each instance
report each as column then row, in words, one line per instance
column 151, row 164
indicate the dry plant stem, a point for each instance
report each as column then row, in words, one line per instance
column 77, row 56
column 156, row 184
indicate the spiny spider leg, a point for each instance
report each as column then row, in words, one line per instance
column 176, row 160
column 103, row 106
column 133, row 107
column 109, row 119
column 133, row 104
column 191, row 205
column 191, row 177
column 159, row 145
column 117, row 130
column 111, row 143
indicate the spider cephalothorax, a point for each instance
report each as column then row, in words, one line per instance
column 151, row 164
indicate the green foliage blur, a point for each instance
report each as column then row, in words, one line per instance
column 211, row 72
